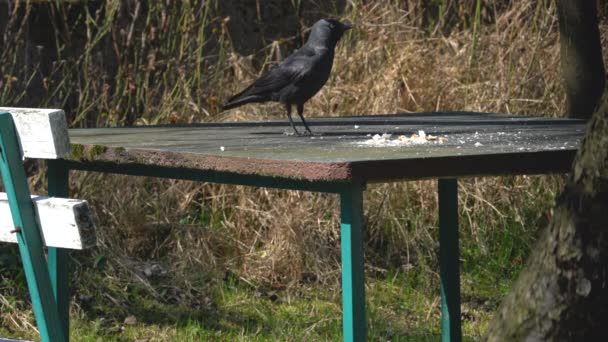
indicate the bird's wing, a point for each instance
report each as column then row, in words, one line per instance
column 292, row 69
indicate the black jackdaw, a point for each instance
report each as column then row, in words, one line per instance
column 300, row 76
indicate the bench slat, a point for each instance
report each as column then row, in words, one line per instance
column 43, row 133
column 65, row 223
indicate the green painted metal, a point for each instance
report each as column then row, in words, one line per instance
column 352, row 223
column 29, row 238
column 210, row 176
column 353, row 279
column 59, row 258
column 449, row 260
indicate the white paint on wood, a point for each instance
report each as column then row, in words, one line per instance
column 43, row 133
column 65, row 223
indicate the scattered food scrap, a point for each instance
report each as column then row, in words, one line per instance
column 415, row 139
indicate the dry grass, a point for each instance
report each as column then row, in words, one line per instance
column 175, row 61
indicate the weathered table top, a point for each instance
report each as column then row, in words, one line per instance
column 471, row 144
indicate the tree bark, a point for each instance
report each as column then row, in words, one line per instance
column 562, row 294
column 581, row 56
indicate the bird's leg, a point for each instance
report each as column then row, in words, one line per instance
column 288, row 107
column 300, row 108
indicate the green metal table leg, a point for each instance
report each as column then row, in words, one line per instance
column 59, row 258
column 449, row 260
column 29, row 238
column 353, row 281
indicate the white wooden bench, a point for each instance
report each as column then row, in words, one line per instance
column 41, row 223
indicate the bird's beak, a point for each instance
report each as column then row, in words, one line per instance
column 346, row 26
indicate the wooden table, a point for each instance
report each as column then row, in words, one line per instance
column 336, row 159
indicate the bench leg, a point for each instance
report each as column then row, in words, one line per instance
column 58, row 258
column 29, row 238
column 353, row 286
column 449, row 260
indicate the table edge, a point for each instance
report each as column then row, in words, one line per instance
column 90, row 157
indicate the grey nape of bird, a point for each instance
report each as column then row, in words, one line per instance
column 300, row 76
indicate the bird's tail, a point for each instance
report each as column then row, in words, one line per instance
column 241, row 99
column 236, row 102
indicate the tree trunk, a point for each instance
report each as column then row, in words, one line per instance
column 581, row 56
column 562, row 294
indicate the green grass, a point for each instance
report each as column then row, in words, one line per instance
column 401, row 306
column 188, row 301
column 396, row 312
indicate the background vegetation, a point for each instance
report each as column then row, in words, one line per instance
column 184, row 261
